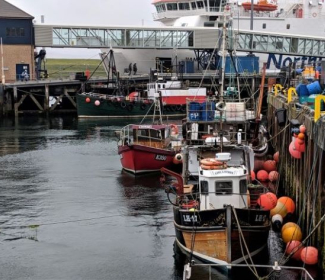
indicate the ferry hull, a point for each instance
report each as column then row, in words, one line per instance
column 141, row 159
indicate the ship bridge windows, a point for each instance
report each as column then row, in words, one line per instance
column 200, row 4
column 223, row 187
column 172, row 6
column 161, row 8
column 184, row 6
column 193, row 5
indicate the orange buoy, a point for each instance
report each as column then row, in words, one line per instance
column 294, row 247
column 210, row 162
column 292, row 233
column 287, row 225
column 302, row 128
column 273, row 176
column 301, row 136
column 293, row 151
column 262, row 175
column 178, row 158
column 276, row 157
column 309, row 255
column 299, row 141
column 289, row 203
column 279, row 209
column 87, row 100
column 267, row 200
column 269, row 165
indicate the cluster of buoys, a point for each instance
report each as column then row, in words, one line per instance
column 266, row 172
column 292, row 236
column 178, row 158
column 297, row 145
column 212, row 164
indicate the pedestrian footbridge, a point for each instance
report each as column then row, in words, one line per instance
column 59, row 36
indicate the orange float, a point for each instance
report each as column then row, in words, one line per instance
column 262, row 175
column 287, row 225
column 293, row 151
column 269, row 165
column 292, row 233
column 87, row 100
column 174, row 129
column 273, row 176
column 279, row 209
column 309, row 255
column 253, row 175
column 267, row 200
column 276, row 157
column 289, row 203
column 294, row 247
column 302, row 128
column 301, row 136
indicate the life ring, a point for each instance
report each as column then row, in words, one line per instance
column 314, row 14
column 211, row 162
column 174, row 129
column 123, row 104
column 214, row 167
column 143, row 106
column 220, row 106
column 190, row 204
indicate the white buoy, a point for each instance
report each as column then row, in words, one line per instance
column 277, row 221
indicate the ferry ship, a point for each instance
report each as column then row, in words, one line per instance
column 292, row 17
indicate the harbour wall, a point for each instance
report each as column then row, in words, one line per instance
column 302, row 179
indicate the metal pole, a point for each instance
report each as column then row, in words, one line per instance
column 3, row 78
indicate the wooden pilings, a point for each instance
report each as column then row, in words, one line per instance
column 302, row 179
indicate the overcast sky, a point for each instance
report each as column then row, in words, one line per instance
column 87, row 12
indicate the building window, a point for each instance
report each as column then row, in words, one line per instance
column 15, row 32
column 193, row 4
column 264, row 25
column 200, row 4
column 184, row 6
column 288, row 26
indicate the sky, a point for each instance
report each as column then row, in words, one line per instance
column 87, row 12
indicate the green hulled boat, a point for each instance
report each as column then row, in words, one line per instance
column 102, row 105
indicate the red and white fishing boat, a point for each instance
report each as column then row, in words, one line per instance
column 148, row 148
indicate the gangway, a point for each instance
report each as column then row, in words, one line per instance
column 63, row 36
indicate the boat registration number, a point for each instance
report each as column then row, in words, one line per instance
column 161, row 157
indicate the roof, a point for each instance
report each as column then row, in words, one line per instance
column 10, row 11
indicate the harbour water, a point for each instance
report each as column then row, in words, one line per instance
column 67, row 211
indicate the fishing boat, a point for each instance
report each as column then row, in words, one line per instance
column 148, row 148
column 260, row 6
column 172, row 93
column 217, row 217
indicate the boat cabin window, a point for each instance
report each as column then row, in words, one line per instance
column 143, row 134
column 172, row 7
column 288, row 26
column 200, row 4
column 193, row 4
column 204, row 187
column 184, row 6
column 223, row 188
column 264, row 25
column 243, row 186
column 209, row 24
